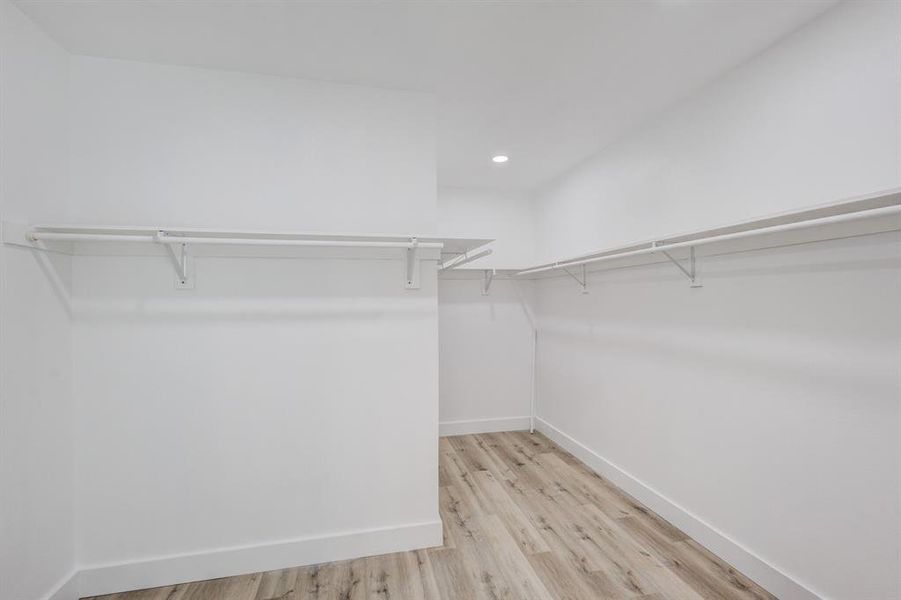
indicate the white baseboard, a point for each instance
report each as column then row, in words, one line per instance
column 483, row 426
column 66, row 589
column 769, row 577
column 168, row 570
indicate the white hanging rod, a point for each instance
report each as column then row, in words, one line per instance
column 166, row 238
column 463, row 259
column 662, row 245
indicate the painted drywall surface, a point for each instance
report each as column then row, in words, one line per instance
column 505, row 217
column 766, row 402
column 485, row 357
column 164, row 145
column 813, row 120
column 280, row 399
column 37, row 520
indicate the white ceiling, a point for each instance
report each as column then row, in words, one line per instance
column 548, row 83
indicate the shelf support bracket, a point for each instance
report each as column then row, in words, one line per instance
column 182, row 261
column 583, row 281
column 486, row 283
column 412, row 266
column 691, row 272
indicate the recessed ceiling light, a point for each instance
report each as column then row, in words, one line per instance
column 500, row 158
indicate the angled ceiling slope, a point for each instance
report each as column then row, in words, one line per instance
column 547, row 83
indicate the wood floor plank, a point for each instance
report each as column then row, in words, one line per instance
column 616, row 540
column 587, row 567
column 562, row 580
column 169, row 592
column 421, row 563
column 481, row 448
column 478, row 559
column 554, row 482
column 453, row 578
column 388, row 579
column 513, row 564
column 463, row 480
column 278, row 585
column 473, row 458
column 348, row 580
column 243, row 587
column 488, row 446
column 596, row 490
column 523, row 520
column 541, row 444
column 588, row 488
column 712, row 576
column 527, row 537
column 312, row 582
column 650, row 537
column 585, row 541
column 525, row 470
column 504, row 449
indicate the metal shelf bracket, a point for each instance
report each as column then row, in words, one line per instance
column 583, row 282
column 691, row 272
column 486, row 282
column 412, row 265
column 182, row 261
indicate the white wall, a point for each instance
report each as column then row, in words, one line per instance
column 37, row 521
column 764, row 403
column 200, row 452
column 506, row 217
column 239, row 414
column 154, row 144
column 812, row 120
column 759, row 412
column 285, row 411
column 485, row 358
column 485, row 341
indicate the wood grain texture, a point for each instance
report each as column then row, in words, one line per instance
column 523, row 519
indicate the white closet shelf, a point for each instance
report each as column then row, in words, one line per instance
column 25, row 235
column 864, row 215
column 67, row 238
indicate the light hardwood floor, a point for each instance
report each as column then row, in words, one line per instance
column 523, row 519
